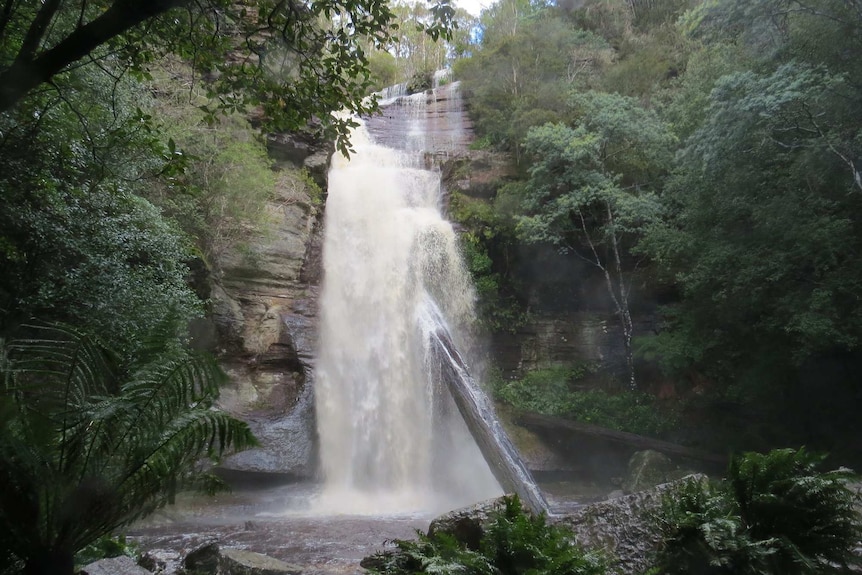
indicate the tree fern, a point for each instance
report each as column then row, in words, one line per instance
column 810, row 514
column 776, row 514
column 91, row 442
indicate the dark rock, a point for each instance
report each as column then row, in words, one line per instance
column 240, row 562
column 122, row 565
column 317, row 165
column 478, row 173
column 467, row 524
column 624, row 528
column 204, row 560
column 161, row 561
column 294, row 148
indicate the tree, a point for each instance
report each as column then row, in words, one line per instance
column 522, row 73
column 764, row 233
column 591, row 190
column 295, row 60
column 90, row 442
column 77, row 242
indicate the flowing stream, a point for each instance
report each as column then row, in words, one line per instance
column 391, row 439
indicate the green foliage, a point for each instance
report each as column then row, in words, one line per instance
column 764, row 221
column 383, row 70
column 523, row 71
column 702, row 535
column 718, row 144
column 590, row 184
column 543, row 391
column 647, row 62
column 488, row 232
column 106, row 547
column 513, row 543
column 221, row 193
column 413, row 54
column 775, row 514
column 810, row 516
column 91, row 442
column 294, row 62
column 76, row 242
column 554, row 392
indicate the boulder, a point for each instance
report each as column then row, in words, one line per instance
column 122, row 565
column 467, row 524
column 647, row 469
column 241, row 562
column 203, row 560
column 623, row 528
column 161, row 561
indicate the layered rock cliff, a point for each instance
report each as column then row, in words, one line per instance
column 264, row 308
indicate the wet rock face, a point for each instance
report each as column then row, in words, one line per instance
column 434, row 121
column 263, row 309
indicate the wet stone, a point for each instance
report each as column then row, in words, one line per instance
column 115, row 566
column 203, row 560
column 241, row 562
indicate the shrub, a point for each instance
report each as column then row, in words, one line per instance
column 775, row 514
column 550, row 392
column 419, row 82
column 514, row 543
column 90, row 442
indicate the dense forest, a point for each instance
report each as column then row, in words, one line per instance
column 700, row 155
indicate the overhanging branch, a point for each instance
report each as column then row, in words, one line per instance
column 27, row 73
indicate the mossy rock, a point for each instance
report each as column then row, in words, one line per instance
column 646, row 469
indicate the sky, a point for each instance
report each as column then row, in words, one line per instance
column 473, row 6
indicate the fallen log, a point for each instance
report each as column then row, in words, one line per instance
column 632, row 440
column 478, row 413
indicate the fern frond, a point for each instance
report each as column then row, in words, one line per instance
column 90, row 444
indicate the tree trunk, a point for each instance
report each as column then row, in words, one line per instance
column 496, row 447
column 623, row 302
column 617, row 289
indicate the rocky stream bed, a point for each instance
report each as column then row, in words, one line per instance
column 276, row 530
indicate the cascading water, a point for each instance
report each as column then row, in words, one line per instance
column 390, row 439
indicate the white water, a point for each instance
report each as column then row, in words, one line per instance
column 390, row 440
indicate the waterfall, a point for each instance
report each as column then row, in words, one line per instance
column 391, row 439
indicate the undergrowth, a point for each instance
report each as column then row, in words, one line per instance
column 514, row 543
column 775, row 514
column 553, row 392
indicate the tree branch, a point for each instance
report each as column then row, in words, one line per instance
column 857, row 176
column 37, row 30
column 123, row 15
column 6, row 15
